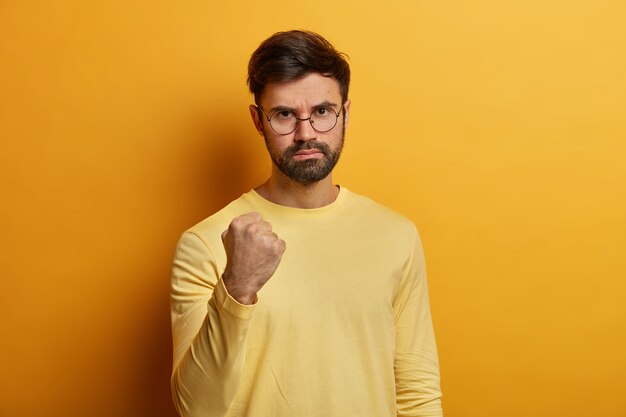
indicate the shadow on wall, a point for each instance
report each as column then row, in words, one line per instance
column 216, row 164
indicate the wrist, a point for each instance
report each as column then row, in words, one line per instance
column 241, row 294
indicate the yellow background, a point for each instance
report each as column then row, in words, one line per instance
column 499, row 127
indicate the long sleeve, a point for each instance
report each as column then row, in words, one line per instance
column 416, row 365
column 209, row 330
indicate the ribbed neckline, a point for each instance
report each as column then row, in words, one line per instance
column 257, row 199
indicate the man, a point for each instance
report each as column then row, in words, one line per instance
column 302, row 298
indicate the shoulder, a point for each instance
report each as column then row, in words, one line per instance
column 394, row 233
column 377, row 213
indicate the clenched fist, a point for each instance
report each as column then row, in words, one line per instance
column 253, row 253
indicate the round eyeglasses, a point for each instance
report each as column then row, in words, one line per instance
column 284, row 121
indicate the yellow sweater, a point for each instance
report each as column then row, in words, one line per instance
column 342, row 329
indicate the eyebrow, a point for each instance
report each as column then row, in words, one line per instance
column 325, row 103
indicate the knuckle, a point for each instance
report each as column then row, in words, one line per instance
column 235, row 223
column 278, row 246
column 265, row 240
column 251, row 229
column 245, row 219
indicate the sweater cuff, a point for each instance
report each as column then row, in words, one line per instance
column 228, row 304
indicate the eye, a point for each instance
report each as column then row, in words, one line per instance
column 283, row 114
column 322, row 111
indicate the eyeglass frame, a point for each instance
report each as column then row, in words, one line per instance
column 269, row 119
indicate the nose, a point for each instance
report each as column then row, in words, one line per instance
column 304, row 130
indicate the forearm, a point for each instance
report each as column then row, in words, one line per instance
column 417, row 392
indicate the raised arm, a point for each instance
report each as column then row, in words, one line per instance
column 209, row 331
column 209, row 326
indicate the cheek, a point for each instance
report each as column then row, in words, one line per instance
column 336, row 139
column 277, row 145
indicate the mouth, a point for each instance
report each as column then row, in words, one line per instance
column 307, row 154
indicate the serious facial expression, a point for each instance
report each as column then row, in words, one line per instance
column 305, row 155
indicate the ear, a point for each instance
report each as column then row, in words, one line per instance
column 258, row 123
column 346, row 111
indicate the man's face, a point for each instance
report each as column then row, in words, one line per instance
column 305, row 155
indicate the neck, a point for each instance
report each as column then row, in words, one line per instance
column 284, row 191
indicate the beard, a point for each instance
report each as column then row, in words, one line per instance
column 308, row 171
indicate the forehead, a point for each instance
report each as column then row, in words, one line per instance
column 307, row 91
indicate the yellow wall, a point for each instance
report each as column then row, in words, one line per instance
column 498, row 127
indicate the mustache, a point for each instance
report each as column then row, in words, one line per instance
column 308, row 145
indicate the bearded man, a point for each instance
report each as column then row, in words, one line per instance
column 302, row 298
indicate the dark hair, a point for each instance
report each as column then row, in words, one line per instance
column 288, row 56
